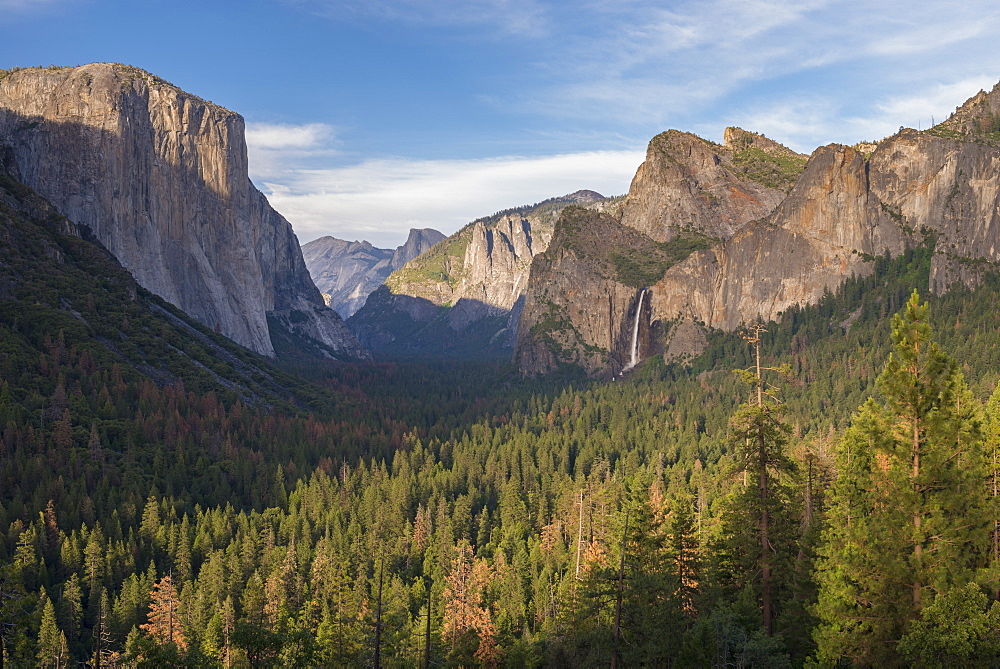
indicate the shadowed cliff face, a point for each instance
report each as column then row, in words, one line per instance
column 160, row 176
column 583, row 294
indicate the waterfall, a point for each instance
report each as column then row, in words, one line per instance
column 635, row 333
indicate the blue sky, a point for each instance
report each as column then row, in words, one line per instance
column 366, row 118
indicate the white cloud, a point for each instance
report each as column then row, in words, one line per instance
column 937, row 100
column 798, row 121
column 380, row 200
column 649, row 67
column 264, row 136
column 655, row 62
column 276, row 148
column 804, row 72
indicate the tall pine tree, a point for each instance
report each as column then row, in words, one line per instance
column 906, row 514
column 758, row 434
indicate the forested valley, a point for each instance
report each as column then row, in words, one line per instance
column 818, row 490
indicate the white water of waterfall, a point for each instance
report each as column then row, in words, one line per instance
column 635, row 334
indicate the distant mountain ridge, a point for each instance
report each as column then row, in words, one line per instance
column 160, row 177
column 347, row 272
column 464, row 296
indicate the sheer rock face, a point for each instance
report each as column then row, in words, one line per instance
column 688, row 182
column 347, row 272
column 486, row 281
column 577, row 308
column 160, row 177
column 844, row 208
column 947, row 185
column 812, row 242
column 497, row 261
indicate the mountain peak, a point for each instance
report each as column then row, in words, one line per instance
column 979, row 115
column 582, row 197
column 738, row 139
column 125, row 76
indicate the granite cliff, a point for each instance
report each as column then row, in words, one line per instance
column 584, row 292
column 688, row 193
column 160, row 178
column 832, row 218
column 347, row 272
column 845, row 209
column 464, row 296
column 827, row 229
column 688, row 183
column 64, row 297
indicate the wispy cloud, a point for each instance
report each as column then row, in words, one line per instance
column 656, row 62
column 933, row 102
column 380, row 200
column 798, row 120
column 267, row 136
column 648, row 67
column 805, row 72
column 277, row 148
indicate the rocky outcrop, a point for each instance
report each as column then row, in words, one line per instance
column 466, row 293
column 688, row 192
column 845, row 208
column 160, row 177
column 347, row 272
column 580, row 305
column 947, row 184
column 819, row 236
column 688, row 183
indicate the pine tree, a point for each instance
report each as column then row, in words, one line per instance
column 53, row 651
column 991, row 433
column 906, row 512
column 759, row 433
column 164, row 624
column 684, row 553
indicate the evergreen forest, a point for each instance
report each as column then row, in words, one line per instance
column 819, row 491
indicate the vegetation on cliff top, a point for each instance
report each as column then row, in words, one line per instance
column 622, row 253
column 441, row 264
column 769, row 169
